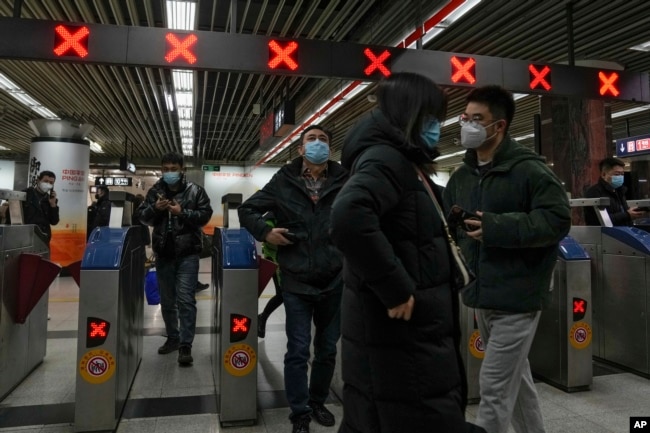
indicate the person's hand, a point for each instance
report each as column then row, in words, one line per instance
column 478, row 233
column 275, row 236
column 402, row 311
column 174, row 208
column 635, row 213
column 52, row 198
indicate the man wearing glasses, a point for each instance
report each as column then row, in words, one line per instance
column 611, row 185
column 524, row 214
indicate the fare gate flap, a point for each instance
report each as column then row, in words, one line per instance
column 570, row 249
column 36, row 275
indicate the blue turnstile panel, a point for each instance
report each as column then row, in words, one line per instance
column 104, row 248
column 570, row 249
column 632, row 236
column 238, row 249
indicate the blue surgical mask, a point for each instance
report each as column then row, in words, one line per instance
column 617, row 180
column 317, row 152
column 431, row 133
column 171, row 177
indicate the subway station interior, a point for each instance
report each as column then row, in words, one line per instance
column 98, row 90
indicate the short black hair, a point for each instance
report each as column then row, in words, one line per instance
column 172, row 158
column 309, row 128
column 47, row 173
column 609, row 163
column 103, row 188
column 498, row 100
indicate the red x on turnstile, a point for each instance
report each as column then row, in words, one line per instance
column 463, row 69
column 282, row 55
column 98, row 329
column 376, row 62
column 608, row 83
column 181, row 48
column 71, row 41
column 240, row 325
column 540, row 77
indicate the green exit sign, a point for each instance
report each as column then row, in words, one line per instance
column 211, row 167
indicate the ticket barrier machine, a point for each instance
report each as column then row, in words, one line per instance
column 234, row 315
column 561, row 351
column 109, row 339
column 625, row 298
column 25, row 275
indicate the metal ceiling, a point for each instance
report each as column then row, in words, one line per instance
column 129, row 103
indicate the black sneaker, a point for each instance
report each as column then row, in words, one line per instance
column 321, row 414
column 185, row 355
column 171, row 345
column 201, row 286
column 261, row 326
column 301, row 425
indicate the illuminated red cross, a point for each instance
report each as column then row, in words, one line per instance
column 240, row 324
column 608, row 83
column 579, row 306
column 537, row 78
column 464, row 70
column 376, row 62
column 181, row 48
column 283, row 55
column 98, row 329
column 71, row 41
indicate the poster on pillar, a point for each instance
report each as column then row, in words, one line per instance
column 69, row 161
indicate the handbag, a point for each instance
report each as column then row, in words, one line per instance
column 463, row 271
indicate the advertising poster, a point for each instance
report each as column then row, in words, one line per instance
column 69, row 161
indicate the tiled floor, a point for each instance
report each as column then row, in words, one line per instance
column 166, row 398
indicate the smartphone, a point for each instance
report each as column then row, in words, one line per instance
column 292, row 237
column 458, row 215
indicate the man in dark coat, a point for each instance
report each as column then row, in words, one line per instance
column 41, row 206
column 610, row 185
column 101, row 209
column 300, row 195
column 401, row 360
column 524, row 213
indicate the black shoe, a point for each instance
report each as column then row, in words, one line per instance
column 321, row 414
column 201, row 286
column 261, row 326
column 301, row 425
column 185, row 355
column 171, row 345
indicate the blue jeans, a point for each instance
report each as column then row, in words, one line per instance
column 177, row 279
column 325, row 310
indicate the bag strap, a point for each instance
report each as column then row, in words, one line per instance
column 424, row 181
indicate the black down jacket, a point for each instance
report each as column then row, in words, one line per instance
column 186, row 227
column 400, row 376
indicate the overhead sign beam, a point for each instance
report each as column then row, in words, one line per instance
column 160, row 47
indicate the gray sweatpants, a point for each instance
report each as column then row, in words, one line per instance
column 506, row 385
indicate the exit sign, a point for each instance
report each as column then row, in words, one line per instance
column 211, row 167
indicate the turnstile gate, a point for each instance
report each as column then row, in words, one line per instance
column 109, row 339
column 561, row 351
column 233, row 346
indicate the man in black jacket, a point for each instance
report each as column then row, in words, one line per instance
column 177, row 209
column 41, row 206
column 100, row 210
column 300, row 195
column 610, row 184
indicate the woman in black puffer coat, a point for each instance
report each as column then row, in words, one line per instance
column 400, row 329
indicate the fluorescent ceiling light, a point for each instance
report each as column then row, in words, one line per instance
column 448, row 21
column 94, row 147
column 4, row 148
column 181, row 14
column 630, row 111
column 170, row 101
column 21, row 96
column 645, row 46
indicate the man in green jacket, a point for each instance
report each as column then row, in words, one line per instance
column 524, row 214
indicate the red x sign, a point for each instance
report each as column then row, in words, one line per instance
column 282, row 55
column 181, row 48
column 463, row 70
column 239, row 325
column 98, row 329
column 578, row 306
column 608, row 83
column 540, row 77
column 376, row 62
column 71, row 42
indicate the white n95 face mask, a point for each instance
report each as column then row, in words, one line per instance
column 45, row 187
column 472, row 135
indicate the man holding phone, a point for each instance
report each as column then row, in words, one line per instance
column 41, row 206
column 524, row 214
column 177, row 209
